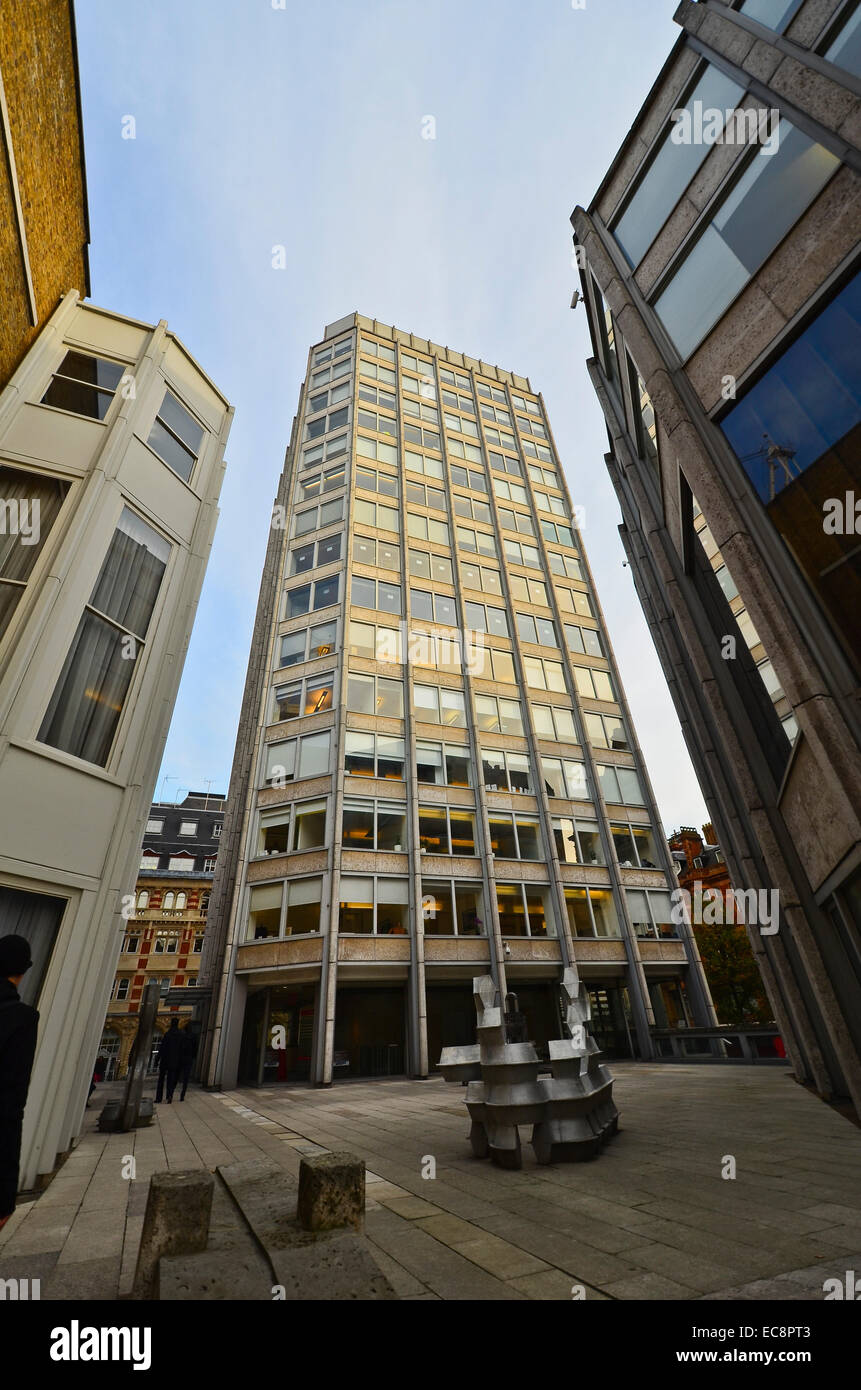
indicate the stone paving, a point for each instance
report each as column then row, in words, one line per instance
column 651, row 1218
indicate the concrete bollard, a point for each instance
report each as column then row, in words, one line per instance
column 176, row 1223
column 331, row 1192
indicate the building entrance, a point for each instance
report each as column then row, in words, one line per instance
column 370, row 1032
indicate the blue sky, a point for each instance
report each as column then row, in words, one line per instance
column 302, row 127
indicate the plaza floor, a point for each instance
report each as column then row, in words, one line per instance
column 651, row 1218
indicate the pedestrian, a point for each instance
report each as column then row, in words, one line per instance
column 19, row 1024
column 189, row 1052
column 169, row 1061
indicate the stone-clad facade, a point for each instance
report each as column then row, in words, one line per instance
column 721, row 286
column 43, row 200
column 405, row 811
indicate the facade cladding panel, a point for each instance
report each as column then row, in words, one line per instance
column 435, row 758
column 721, row 282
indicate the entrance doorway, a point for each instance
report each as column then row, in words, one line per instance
column 109, row 1051
column 611, row 1020
column 277, row 1036
column 370, row 1032
column 539, row 1002
column 450, row 1019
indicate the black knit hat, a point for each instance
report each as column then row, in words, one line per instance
column 15, row 956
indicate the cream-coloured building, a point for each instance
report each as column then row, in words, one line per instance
column 111, row 461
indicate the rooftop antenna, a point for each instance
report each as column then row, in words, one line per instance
column 163, row 780
column 208, row 785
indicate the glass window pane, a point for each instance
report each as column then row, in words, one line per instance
column 390, row 698
column 437, row 907
column 433, row 830
column 512, row 915
column 429, row 763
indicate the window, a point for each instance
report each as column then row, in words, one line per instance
column 845, row 47
column 317, row 517
column 541, row 631
column 427, row 566
column 292, row 828
column 554, row 722
column 29, row 505
column 375, row 695
column 544, row 675
column 426, row 496
column 452, row 907
column 302, row 897
column 465, row 403
column 565, row 779
column 501, row 437
column 323, row 424
column 514, row 836
column 375, row 642
column 539, row 451
column 645, row 424
column 376, row 449
column 181, row 863
column 795, row 434
column 176, row 436
column 367, row 551
column 198, row 943
column 635, row 846
column 378, row 373
column 481, row 577
column 481, row 617
column 540, row 475
column 524, row 910
column 435, row 706
column 593, row 684
column 470, row 478
column 154, row 827
column 435, row 608
column 436, row 650
column 376, row 514
column 376, row 593
column 620, row 785
column 149, row 860
column 374, row 906
column 188, row 827
column 503, row 463
column 592, row 912
column 424, row 386
column 209, row 865
column 375, row 395
column 84, row 385
column 510, row 520
column 380, row 350
column 378, row 825
column 772, row 193
column 651, row 913
column 502, row 772
column 166, row 943
column 425, row 528
column 546, row 502
column 585, row 640
column 451, row 378
column 477, row 542
column 421, row 463
column 671, row 168
column 443, row 764
column 510, row 492
column 264, row 911
column 308, row 643
column 490, row 663
column 297, row 758
column 121, row 988
column 493, row 412
column 458, row 448
column 427, row 439
column 373, row 755
column 774, row 14
column 313, row 695
column 554, row 531
column 382, row 424
column 420, row 411
column 518, row 554
column 216, row 830
column 498, row 716
column 529, row 590
column 88, row 699
column 606, row 731
column 132, row 942
column 522, row 403
column 310, row 556
column 310, row 597
column 446, row 830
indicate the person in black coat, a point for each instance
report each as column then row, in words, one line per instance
column 18, row 1028
column 169, row 1061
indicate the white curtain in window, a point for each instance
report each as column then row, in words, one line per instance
column 36, row 917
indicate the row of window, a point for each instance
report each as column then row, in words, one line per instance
column 379, row 905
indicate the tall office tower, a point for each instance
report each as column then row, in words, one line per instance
column 721, row 278
column 111, row 460
column 436, row 774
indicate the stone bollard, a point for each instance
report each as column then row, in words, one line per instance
column 331, row 1192
column 176, row 1223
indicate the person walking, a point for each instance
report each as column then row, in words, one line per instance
column 169, row 1062
column 189, row 1052
column 19, row 1024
